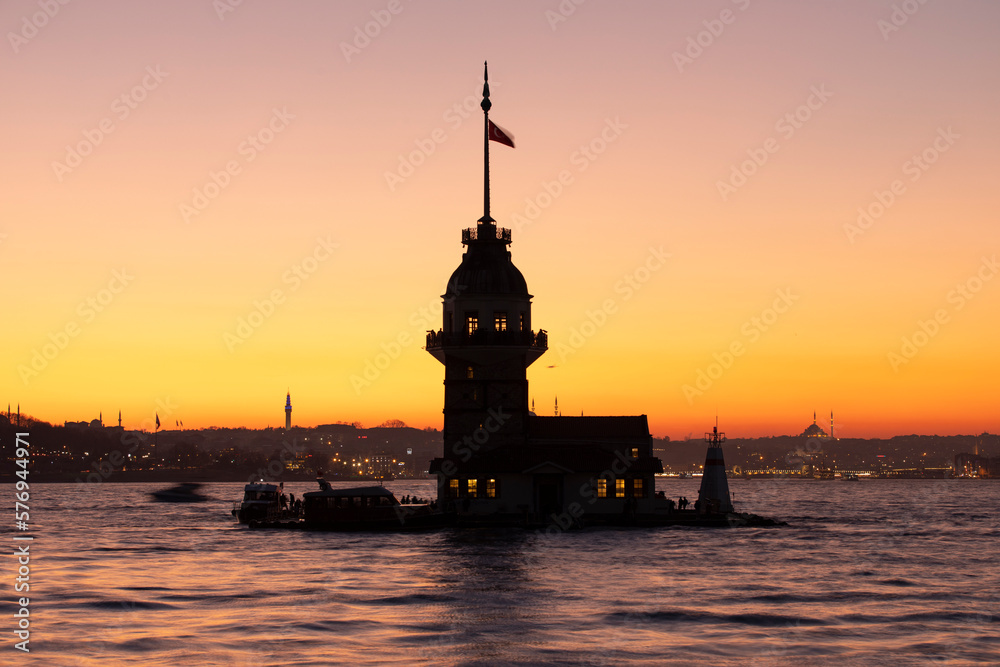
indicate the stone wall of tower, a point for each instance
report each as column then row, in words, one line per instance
column 491, row 406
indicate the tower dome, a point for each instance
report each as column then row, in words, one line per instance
column 486, row 267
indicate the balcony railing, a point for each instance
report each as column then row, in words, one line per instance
column 439, row 339
column 473, row 233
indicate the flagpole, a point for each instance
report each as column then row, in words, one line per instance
column 486, row 104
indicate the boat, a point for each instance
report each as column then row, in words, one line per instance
column 261, row 502
column 359, row 508
column 186, row 492
column 850, row 477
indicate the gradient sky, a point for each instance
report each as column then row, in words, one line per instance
column 162, row 95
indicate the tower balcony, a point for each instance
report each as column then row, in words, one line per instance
column 485, row 233
column 484, row 345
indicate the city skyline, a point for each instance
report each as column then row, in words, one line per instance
column 206, row 206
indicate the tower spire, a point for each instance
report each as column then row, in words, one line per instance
column 486, row 104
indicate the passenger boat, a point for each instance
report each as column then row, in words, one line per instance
column 364, row 508
column 359, row 508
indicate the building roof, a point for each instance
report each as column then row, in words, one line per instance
column 588, row 428
column 588, row 458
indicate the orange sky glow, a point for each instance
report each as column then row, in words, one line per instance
column 735, row 207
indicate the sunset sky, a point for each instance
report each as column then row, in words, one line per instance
column 170, row 169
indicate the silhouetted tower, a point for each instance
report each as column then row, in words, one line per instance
column 486, row 343
column 119, row 419
column 288, row 410
column 831, row 424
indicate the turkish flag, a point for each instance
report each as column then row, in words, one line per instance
column 500, row 135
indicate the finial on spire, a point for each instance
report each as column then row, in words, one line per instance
column 486, row 104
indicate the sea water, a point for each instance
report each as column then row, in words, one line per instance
column 876, row 572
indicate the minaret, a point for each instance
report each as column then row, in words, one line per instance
column 556, row 413
column 119, row 419
column 831, row 424
column 486, row 342
column 288, row 410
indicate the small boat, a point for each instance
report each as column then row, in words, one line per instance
column 186, row 492
column 261, row 502
column 850, row 477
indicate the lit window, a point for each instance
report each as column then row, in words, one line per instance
column 637, row 488
column 500, row 321
column 471, row 322
column 472, row 488
column 619, row 488
column 491, row 488
column 602, row 488
column 635, row 450
column 469, row 373
column 522, row 321
column 453, row 488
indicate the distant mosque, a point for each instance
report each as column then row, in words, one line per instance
column 814, row 430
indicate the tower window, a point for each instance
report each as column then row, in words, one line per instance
column 522, row 321
column 619, row 488
column 471, row 322
column 635, row 450
column 602, row 488
column 451, row 322
column 469, row 373
column 499, row 321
